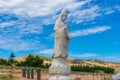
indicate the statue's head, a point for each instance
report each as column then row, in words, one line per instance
column 63, row 15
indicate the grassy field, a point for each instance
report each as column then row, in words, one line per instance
column 6, row 77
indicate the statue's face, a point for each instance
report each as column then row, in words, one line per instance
column 64, row 17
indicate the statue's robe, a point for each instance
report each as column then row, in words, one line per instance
column 61, row 42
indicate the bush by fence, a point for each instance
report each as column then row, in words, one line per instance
column 87, row 68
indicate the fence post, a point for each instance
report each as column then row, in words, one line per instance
column 77, row 79
column 38, row 74
column 32, row 73
column 93, row 75
column 28, row 73
column 24, row 72
column 104, row 75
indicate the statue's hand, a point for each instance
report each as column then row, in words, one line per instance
column 66, row 25
column 69, row 36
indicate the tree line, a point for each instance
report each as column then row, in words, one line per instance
column 86, row 68
column 33, row 61
column 30, row 61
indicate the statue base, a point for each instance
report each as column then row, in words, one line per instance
column 59, row 77
column 59, row 70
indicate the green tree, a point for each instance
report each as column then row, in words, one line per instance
column 21, row 63
column 37, row 62
column 4, row 62
column 31, row 61
column 12, row 60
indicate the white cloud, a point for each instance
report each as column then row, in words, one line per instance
column 75, row 5
column 40, row 8
column 22, row 27
column 88, row 55
column 29, row 28
column 85, row 15
column 85, row 55
column 16, row 44
column 110, row 58
column 109, row 10
column 48, row 9
column 17, row 35
column 6, row 24
column 89, row 31
column 46, row 51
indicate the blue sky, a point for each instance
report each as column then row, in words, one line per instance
column 26, row 26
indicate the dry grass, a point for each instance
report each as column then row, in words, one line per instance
column 17, row 75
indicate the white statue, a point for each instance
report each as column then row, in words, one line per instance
column 59, row 69
column 61, row 36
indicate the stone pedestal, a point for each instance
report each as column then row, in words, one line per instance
column 59, row 70
column 58, row 77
